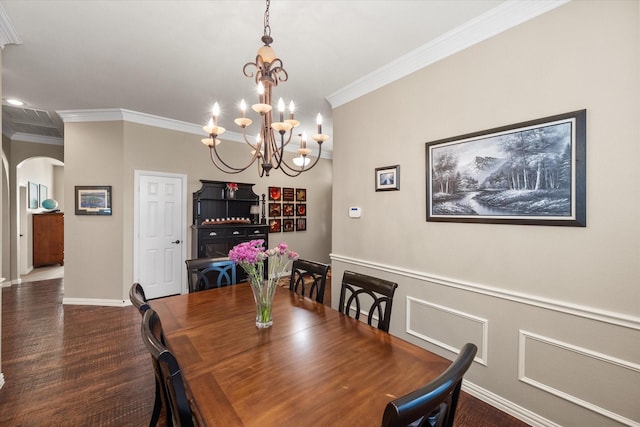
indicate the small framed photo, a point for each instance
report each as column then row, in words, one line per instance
column 93, row 200
column 33, row 195
column 275, row 193
column 301, row 224
column 43, row 193
column 275, row 225
column 288, row 209
column 301, row 209
column 287, row 225
column 288, row 194
column 388, row 178
column 275, row 209
column 301, row 194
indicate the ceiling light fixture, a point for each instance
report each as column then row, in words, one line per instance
column 15, row 102
column 269, row 147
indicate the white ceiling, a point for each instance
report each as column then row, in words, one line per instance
column 173, row 58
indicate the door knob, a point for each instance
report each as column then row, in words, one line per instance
column 176, row 242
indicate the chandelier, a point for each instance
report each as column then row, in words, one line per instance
column 269, row 146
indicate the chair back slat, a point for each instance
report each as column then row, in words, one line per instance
column 434, row 404
column 309, row 278
column 207, row 273
column 359, row 292
column 137, row 297
column 167, row 370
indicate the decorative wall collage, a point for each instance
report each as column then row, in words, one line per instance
column 287, row 209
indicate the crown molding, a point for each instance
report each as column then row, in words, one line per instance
column 509, row 14
column 37, row 139
column 117, row 114
column 8, row 34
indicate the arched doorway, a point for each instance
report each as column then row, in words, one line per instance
column 37, row 179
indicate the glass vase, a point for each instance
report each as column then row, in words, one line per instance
column 231, row 194
column 263, row 293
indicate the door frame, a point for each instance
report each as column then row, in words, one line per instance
column 136, row 220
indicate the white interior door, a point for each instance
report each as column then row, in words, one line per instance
column 161, row 234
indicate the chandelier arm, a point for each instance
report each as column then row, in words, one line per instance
column 303, row 167
column 278, row 73
column 217, row 155
column 213, row 160
column 260, row 170
column 246, row 140
column 279, row 153
column 250, row 73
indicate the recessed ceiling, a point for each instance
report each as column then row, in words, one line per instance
column 174, row 59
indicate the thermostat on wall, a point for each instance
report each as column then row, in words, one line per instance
column 355, row 212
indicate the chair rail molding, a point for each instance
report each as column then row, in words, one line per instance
column 606, row 316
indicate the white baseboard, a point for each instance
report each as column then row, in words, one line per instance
column 89, row 301
column 507, row 406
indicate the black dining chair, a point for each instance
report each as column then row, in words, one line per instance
column 139, row 300
column 309, row 278
column 206, row 273
column 167, row 371
column 433, row 405
column 360, row 293
column 137, row 297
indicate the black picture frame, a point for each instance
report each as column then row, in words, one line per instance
column 275, row 209
column 275, row 193
column 275, row 225
column 288, row 194
column 93, row 200
column 288, row 209
column 528, row 173
column 388, row 178
column 287, row 225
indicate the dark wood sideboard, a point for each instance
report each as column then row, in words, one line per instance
column 221, row 221
column 48, row 239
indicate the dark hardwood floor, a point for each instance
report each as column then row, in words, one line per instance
column 86, row 365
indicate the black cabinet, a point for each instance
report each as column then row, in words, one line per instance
column 222, row 219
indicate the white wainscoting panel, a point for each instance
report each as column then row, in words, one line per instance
column 584, row 377
column 447, row 327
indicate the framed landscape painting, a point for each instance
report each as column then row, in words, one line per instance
column 529, row 173
column 93, row 200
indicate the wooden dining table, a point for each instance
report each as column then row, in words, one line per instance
column 313, row 367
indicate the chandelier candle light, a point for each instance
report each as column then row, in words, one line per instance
column 274, row 136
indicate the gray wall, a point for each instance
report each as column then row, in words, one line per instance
column 108, row 153
column 555, row 311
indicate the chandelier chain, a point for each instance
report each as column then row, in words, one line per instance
column 267, row 27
